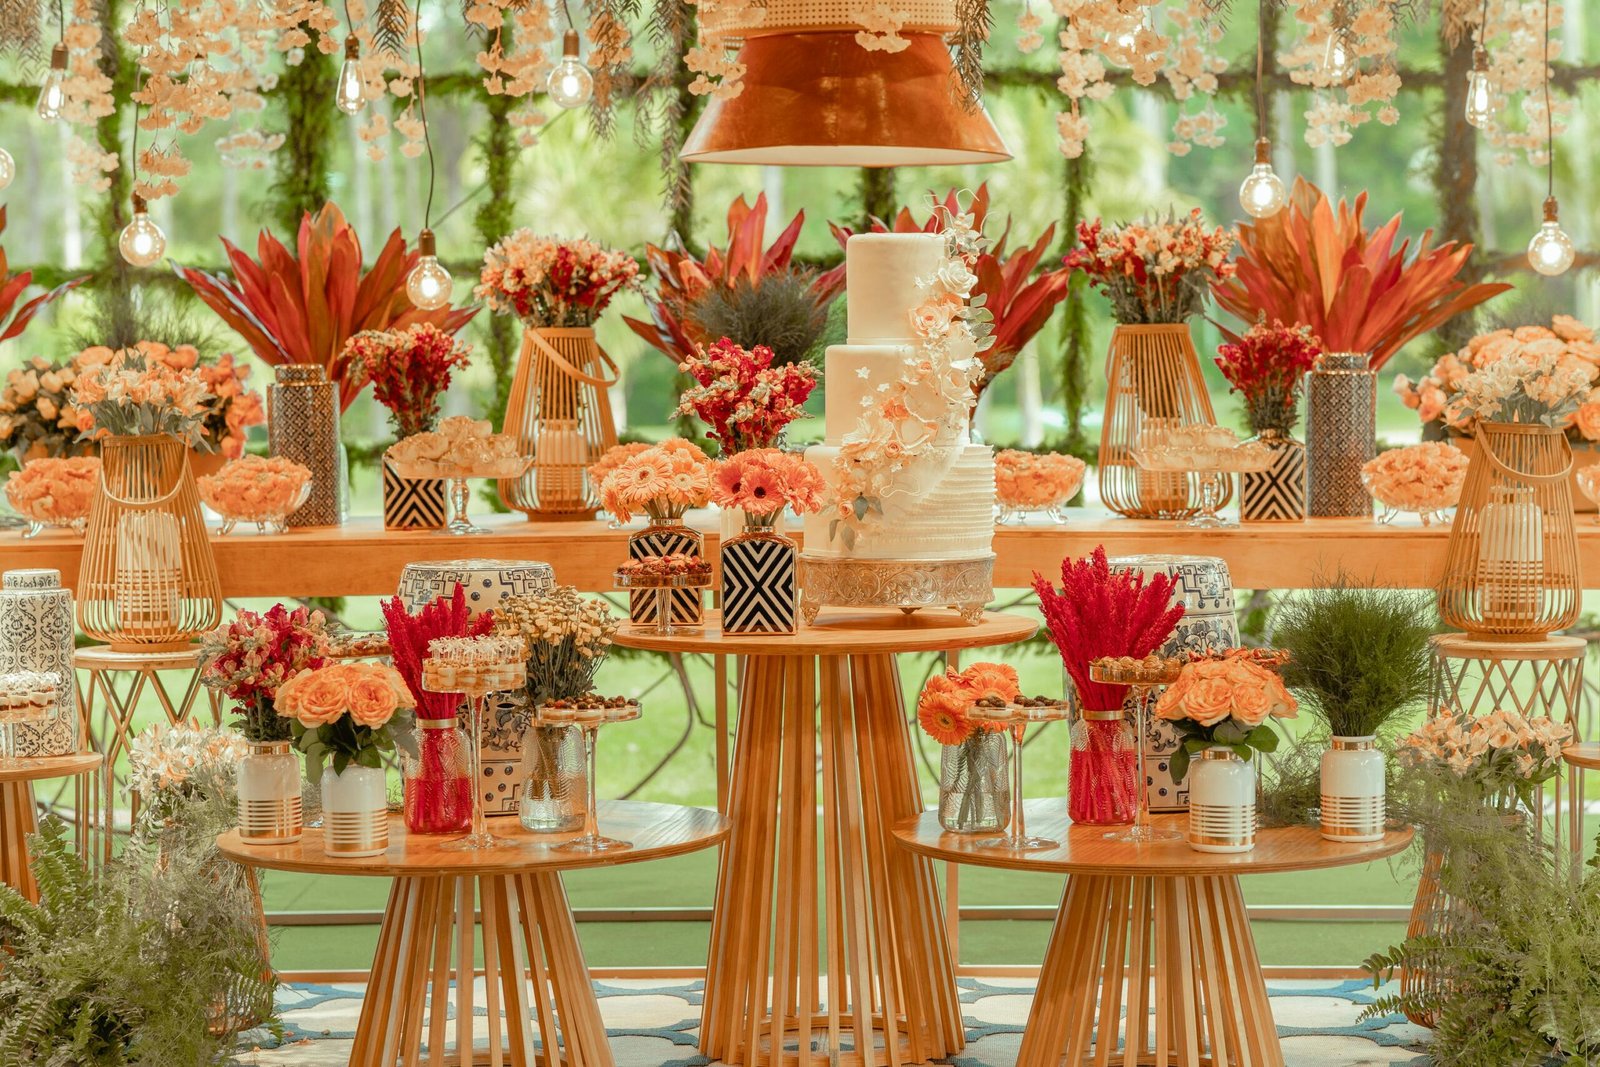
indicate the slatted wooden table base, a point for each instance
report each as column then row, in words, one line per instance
column 858, row 973
column 541, row 1009
column 1151, row 960
column 18, row 817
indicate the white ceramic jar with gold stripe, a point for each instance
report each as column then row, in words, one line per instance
column 1222, row 802
column 1354, row 793
column 355, row 812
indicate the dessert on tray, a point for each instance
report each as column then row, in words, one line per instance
column 492, row 663
column 459, row 448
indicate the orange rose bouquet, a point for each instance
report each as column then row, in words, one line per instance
column 663, row 481
column 351, row 712
column 1224, row 702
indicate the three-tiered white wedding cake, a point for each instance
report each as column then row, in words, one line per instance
column 905, row 481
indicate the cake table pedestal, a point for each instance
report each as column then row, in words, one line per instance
column 17, row 816
column 1153, row 927
column 873, row 982
column 426, row 946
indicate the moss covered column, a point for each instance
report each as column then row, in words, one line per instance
column 306, row 92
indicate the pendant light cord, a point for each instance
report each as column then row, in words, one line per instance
column 566, row 13
column 1549, row 116
column 422, row 112
column 1261, row 50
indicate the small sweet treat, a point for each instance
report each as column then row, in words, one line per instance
column 492, row 663
column 356, row 644
column 1039, row 702
column 669, row 569
column 462, row 447
column 1036, row 480
column 54, row 492
column 1422, row 478
column 28, row 696
column 588, row 709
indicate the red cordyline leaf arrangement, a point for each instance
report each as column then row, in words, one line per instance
column 409, row 636
column 1316, row 265
column 301, row 306
column 1105, row 611
column 15, row 319
column 681, row 279
column 1021, row 303
column 410, row 369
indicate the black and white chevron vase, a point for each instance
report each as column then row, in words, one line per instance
column 760, row 585
column 413, row 503
column 1277, row 494
column 687, row 608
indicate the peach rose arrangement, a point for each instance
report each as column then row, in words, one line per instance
column 1224, row 702
column 54, row 492
column 259, row 489
column 1505, row 754
column 1425, row 478
column 351, row 712
column 1561, row 364
column 664, row 481
column 1028, row 481
column 230, row 406
column 132, row 393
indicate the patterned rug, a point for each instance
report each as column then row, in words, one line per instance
column 653, row 1024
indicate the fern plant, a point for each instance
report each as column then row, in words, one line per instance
column 153, row 960
column 1516, row 976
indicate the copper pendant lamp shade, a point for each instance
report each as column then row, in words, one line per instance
column 820, row 99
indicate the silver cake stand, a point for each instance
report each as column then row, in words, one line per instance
column 966, row 585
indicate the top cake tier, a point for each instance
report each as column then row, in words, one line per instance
column 881, row 275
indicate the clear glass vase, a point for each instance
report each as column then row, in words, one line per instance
column 555, row 781
column 975, row 784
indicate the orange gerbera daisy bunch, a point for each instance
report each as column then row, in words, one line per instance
column 665, row 481
column 943, row 709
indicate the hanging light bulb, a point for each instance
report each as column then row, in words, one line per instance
column 142, row 242
column 570, row 82
column 53, row 93
column 1261, row 193
column 1480, row 91
column 347, row 95
column 428, row 284
column 1550, row 252
column 8, row 168
column 1336, row 60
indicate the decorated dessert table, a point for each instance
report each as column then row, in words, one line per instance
column 1178, row 946
column 876, row 973
column 361, row 558
column 17, row 811
column 427, row 940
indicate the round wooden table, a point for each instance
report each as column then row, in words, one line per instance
column 527, row 933
column 17, row 816
column 1158, row 924
column 874, row 983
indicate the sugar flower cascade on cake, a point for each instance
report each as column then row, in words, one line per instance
column 904, row 481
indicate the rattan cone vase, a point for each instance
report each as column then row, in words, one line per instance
column 1153, row 386
column 148, row 580
column 560, row 412
column 1511, row 568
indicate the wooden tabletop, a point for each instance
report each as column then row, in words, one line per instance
column 1585, row 754
column 360, row 558
column 843, row 632
column 105, row 658
column 38, row 768
column 1084, row 849
column 655, row 830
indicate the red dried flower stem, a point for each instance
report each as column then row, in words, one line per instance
column 409, row 636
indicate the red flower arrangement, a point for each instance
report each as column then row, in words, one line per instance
column 250, row 658
column 765, row 480
column 1153, row 270
column 409, row 636
column 742, row 397
column 1268, row 366
column 409, row 368
column 1101, row 611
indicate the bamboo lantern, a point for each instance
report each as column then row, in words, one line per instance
column 560, row 413
column 1154, row 386
column 148, row 580
column 1511, row 569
